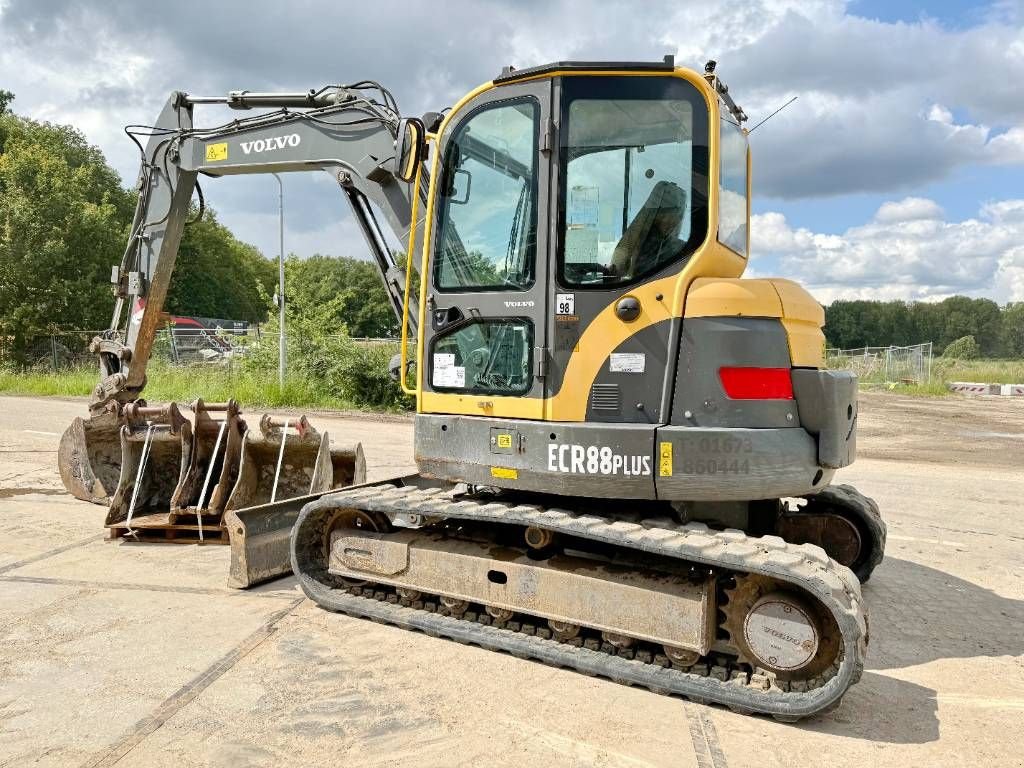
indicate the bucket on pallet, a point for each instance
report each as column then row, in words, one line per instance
column 156, row 448
column 205, row 486
column 286, row 457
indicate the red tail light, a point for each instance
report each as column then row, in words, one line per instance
column 756, row 383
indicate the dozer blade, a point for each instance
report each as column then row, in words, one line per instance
column 280, row 472
column 156, row 447
column 89, row 456
column 213, row 469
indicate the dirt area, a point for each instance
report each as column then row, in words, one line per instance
column 972, row 431
column 138, row 655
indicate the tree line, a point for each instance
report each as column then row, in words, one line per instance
column 65, row 219
column 65, row 216
column 998, row 331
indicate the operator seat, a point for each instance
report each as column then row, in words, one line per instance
column 652, row 238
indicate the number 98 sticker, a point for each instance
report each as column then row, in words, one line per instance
column 565, row 304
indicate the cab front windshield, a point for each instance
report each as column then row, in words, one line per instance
column 633, row 177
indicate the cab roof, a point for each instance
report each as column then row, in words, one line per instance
column 511, row 74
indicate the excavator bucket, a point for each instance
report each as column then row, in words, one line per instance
column 156, row 449
column 204, row 488
column 284, row 466
column 285, row 458
column 89, row 456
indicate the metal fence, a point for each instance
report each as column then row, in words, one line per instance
column 67, row 349
column 908, row 365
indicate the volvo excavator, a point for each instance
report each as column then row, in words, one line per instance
column 625, row 450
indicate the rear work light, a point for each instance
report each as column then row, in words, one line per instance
column 756, row 383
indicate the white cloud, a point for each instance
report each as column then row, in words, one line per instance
column 908, row 209
column 884, row 107
column 906, row 251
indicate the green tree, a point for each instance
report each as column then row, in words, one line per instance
column 343, row 292
column 63, row 221
column 852, row 324
column 6, row 97
column 979, row 318
column 217, row 275
column 1012, row 343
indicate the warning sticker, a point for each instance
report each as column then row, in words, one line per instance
column 216, row 152
column 446, row 372
column 505, row 441
column 665, row 460
column 504, row 473
column 627, row 362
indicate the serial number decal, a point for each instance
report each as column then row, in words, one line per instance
column 725, row 444
column 594, row 460
column 716, row 467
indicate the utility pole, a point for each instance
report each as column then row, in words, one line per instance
column 282, row 346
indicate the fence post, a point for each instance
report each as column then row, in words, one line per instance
column 174, row 346
column 53, row 350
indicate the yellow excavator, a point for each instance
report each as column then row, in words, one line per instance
column 625, row 450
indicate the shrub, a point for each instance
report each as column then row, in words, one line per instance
column 964, row 348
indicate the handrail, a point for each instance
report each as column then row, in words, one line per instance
column 403, row 375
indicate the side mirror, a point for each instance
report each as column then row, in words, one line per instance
column 411, row 147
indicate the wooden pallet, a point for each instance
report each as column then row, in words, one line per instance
column 158, row 528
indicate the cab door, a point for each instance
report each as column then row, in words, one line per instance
column 632, row 209
column 484, row 335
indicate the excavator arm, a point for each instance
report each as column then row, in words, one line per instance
column 346, row 131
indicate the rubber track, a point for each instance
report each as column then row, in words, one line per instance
column 863, row 508
column 806, row 566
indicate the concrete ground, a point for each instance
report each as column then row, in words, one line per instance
column 138, row 655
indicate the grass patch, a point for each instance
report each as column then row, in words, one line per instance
column 945, row 371
column 184, row 384
column 257, row 388
column 982, row 371
column 75, row 381
column 934, row 388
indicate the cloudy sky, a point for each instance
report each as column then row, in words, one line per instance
column 898, row 173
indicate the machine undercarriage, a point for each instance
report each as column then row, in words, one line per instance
column 754, row 623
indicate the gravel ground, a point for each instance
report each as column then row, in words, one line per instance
column 112, row 652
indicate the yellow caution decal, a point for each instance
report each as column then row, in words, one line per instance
column 215, row 152
column 505, row 441
column 504, row 473
column 665, row 460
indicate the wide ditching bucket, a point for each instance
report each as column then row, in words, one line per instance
column 156, row 450
column 89, row 455
column 284, row 465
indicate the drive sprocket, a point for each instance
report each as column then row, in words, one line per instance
column 779, row 631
